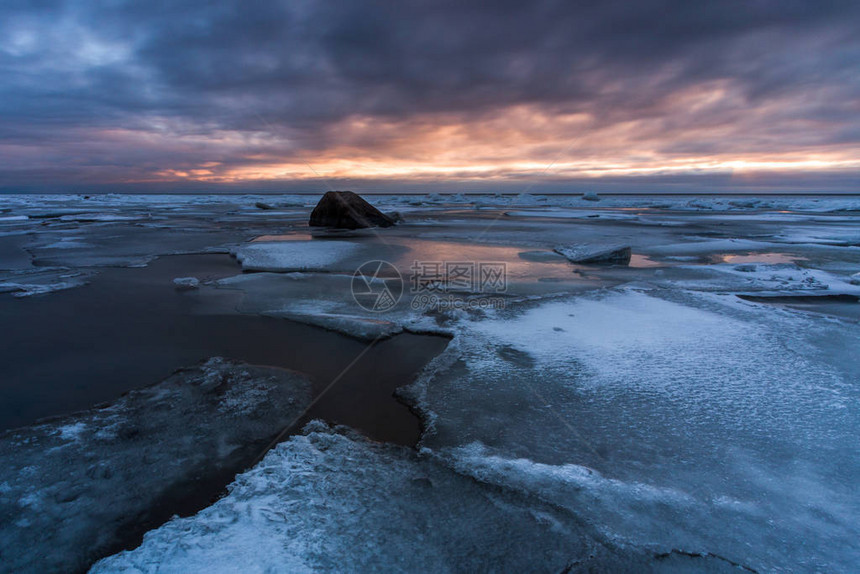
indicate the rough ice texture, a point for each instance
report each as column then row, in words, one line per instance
column 787, row 277
column 671, row 419
column 285, row 256
column 69, row 487
column 782, row 278
column 838, row 235
column 664, row 418
column 333, row 502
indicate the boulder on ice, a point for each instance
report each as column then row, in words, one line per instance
column 347, row 210
column 596, row 254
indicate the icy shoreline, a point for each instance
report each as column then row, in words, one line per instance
column 625, row 417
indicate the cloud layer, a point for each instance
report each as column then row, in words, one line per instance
column 309, row 94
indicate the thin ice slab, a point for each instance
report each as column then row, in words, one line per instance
column 596, row 254
column 72, row 487
column 288, row 256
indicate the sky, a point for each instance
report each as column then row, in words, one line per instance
column 450, row 96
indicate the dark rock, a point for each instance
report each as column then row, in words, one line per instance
column 347, row 210
column 263, row 206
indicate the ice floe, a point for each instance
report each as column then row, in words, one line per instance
column 75, row 487
column 654, row 415
column 324, row 300
column 331, row 501
column 41, row 280
column 667, row 416
column 758, row 278
column 596, row 254
column 186, row 283
column 284, row 256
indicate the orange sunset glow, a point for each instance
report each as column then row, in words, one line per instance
column 559, row 99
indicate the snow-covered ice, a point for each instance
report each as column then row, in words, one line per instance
column 782, row 278
column 618, row 418
column 330, row 501
column 41, row 280
column 284, row 256
column 669, row 419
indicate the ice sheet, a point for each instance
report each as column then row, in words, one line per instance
column 41, row 280
column 285, row 256
column 71, row 487
column 335, row 502
column 666, row 417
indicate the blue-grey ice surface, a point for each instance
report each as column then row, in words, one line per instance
column 72, row 487
column 335, row 502
column 637, row 417
column 670, row 419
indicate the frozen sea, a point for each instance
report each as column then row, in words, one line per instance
column 193, row 383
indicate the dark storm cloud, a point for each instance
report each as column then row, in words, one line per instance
column 74, row 72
